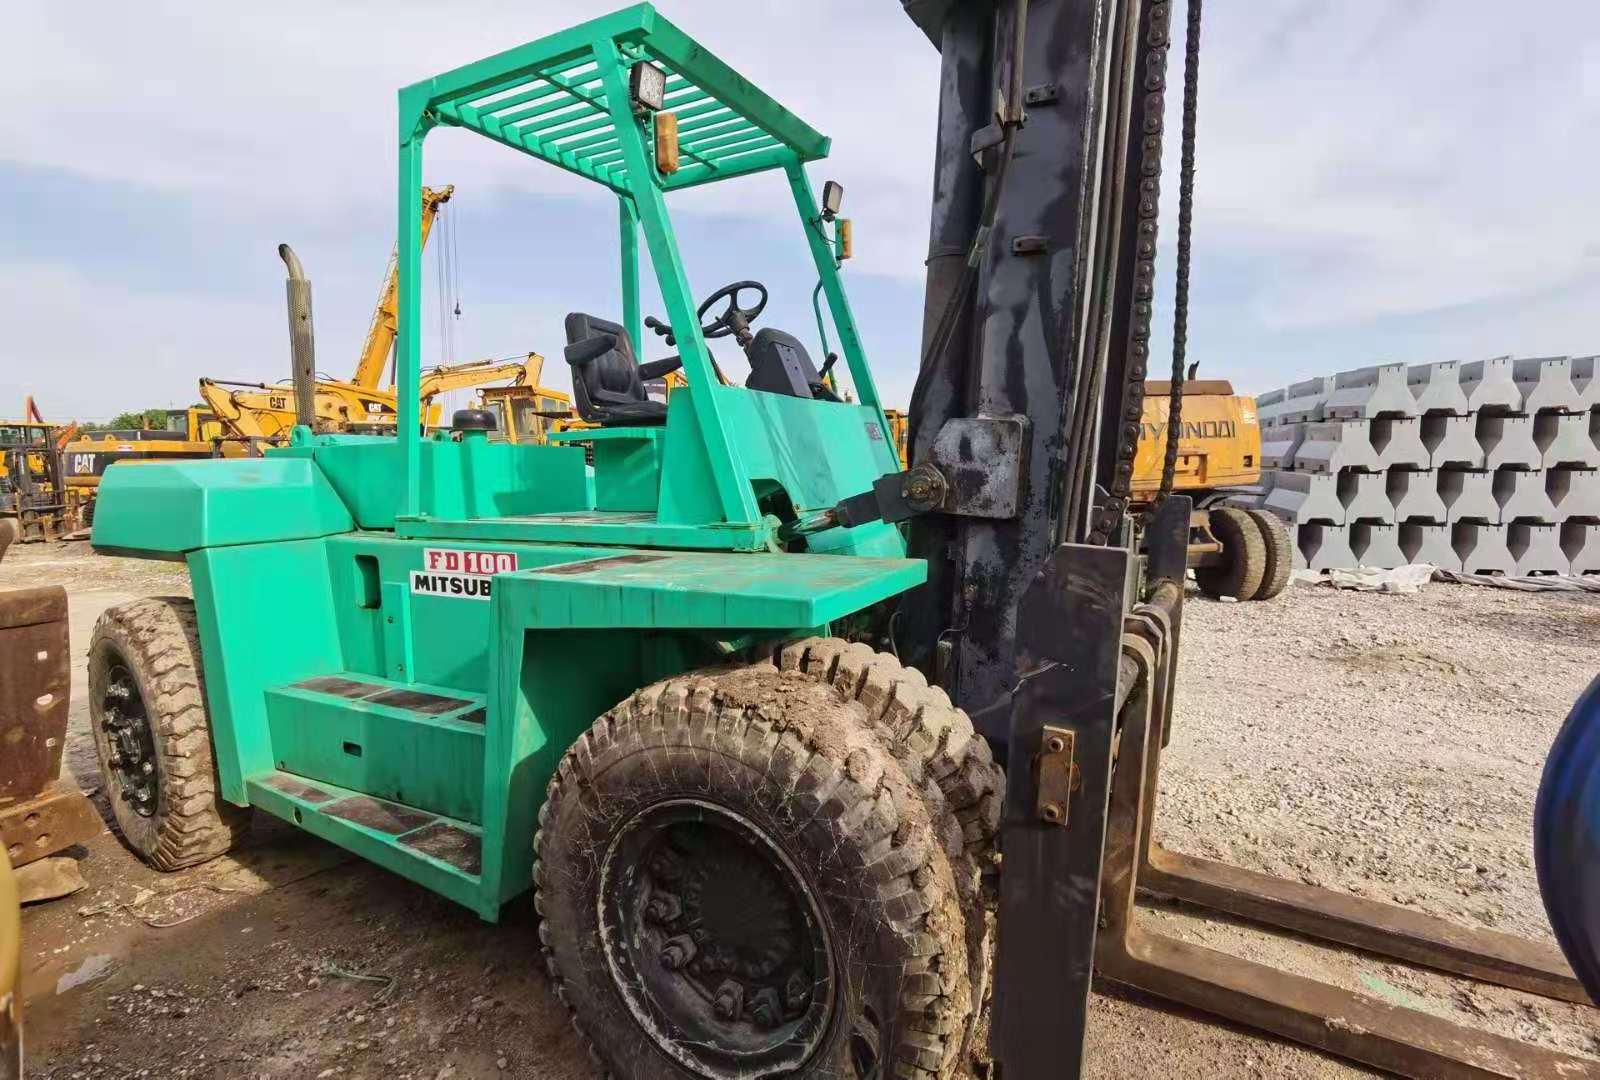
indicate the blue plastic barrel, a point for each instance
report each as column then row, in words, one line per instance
column 1566, row 838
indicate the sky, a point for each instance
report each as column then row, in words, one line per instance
column 1409, row 180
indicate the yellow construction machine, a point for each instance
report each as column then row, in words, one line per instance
column 363, row 403
column 1235, row 551
column 34, row 504
column 266, row 412
column 192, row 432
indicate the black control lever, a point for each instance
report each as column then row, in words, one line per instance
column 653, row 323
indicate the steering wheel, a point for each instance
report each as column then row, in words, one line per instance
column 725, row 323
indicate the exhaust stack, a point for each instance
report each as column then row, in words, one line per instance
column 302, row 341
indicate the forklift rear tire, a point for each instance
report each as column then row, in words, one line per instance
column 1244, row 556
column 152, row 734
column 736, row 880
column 1280, row 553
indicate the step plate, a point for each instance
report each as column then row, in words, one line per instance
column 419, row 701
column 380, row 816
column 449, row 844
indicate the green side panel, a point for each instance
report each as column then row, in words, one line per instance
column 818, row 451
column 712, row 591
column 178, row 506
column 431, row 762
column 549, row 688
column 459, row 479
column 266, row 616
column 627, row 472
column 688, row 493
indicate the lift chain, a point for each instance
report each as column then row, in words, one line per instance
column 1157, row 41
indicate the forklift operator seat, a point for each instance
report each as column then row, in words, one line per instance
column 607, row 382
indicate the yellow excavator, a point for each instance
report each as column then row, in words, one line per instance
column 265, row 412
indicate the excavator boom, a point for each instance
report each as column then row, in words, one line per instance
column 380, row 334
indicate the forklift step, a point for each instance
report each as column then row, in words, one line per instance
column 409, row 745
column 439, row 852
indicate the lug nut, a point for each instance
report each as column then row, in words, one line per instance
column 797, row 991
column 147, row 768
column 729, row 1001
column 664, row 907
column 677, row 952
column 765, row 1010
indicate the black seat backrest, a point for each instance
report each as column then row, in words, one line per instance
column 604, row 371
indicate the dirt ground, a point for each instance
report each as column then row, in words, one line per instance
column 1385, row 745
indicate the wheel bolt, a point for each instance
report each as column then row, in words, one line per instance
column 677, row 952
column 797, row 991
column 147, row 768
column 664, row 907
column 729, row 1001
column 764, row 1008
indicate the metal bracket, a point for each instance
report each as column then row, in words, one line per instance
column 1057, row 774
column 984, row 463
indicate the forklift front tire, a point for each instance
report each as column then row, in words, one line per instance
column 152, row 734
column 1244, row 556
column 736, row 879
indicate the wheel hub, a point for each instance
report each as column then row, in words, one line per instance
column 715, row 941
column 130, row 741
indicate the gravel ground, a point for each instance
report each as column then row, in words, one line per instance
column 1389, row 746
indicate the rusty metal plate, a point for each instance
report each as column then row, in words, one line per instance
column 1054, row 799
column 476, row 716
column 450, row 844
column 380, row 816
column 339, row 687
column 418, row 701
column 297, row 789
column 35, row 681
column 46, row 824
column 983, row 460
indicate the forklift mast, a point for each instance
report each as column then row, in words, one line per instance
column 1035, row 350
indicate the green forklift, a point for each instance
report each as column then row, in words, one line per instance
column 696, row 697
column 754, row 847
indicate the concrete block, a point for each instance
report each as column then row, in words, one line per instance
column 1508, row 442
column 1575, row 493
column 1482, row 548
column 1536, row 549
column 1377, row 546
column 1489, row 386
column 1415, row 497
column 1586, row 381
column 1371, row 392
column 1580, row 543
column 1398, row 443
column 1365, row 497
column 1326, row 547
column 1300, row 403
column 1468, row 495
column 1437, row 388
column 1545, row 383
column 1429, row 544
column 1452, row 442
column 1567, row 440
column 1299, row 498
column 1522, row 497
column 1279, row 444
column 1335, row 445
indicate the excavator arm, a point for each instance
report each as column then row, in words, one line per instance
column 523, row 372
column 380, row 334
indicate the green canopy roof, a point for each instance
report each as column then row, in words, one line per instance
column 549, row 99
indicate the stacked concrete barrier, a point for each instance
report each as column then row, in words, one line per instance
column 1491, row 466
